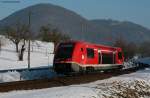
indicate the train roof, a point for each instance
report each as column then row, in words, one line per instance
column 92, row 44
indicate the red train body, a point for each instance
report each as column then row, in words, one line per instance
column 78, row 56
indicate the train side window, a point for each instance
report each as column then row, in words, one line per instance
column 90, row 53
column 119, row 55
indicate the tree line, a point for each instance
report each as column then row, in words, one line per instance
column 130, row 49
column 19, row 34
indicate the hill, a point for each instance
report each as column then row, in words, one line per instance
column 76, row 26
column 129, row 31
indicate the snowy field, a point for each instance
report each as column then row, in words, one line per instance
column 41, row 55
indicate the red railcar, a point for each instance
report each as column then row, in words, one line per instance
column 78, row 56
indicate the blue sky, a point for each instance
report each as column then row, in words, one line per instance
column 137, row 11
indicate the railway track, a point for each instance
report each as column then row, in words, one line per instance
column 64, row 80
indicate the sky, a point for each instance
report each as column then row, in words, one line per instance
column 137, row 11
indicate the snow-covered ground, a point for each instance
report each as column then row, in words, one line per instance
column 144, row 60
column 41, row 55
column 26, row 75
column 135, row 85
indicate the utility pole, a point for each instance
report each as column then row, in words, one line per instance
column 29, row 39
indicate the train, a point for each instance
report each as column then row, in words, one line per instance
column 81, row 56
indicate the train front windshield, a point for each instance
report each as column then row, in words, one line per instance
column 64, row 51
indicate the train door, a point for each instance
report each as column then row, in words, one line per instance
column 92, row 56
column 120, row 57
column 99, row 57
column 114, row 57
column 107, row 58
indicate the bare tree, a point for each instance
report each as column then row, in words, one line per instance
column 144, row 49
column 52, row 35
column 21, row 52
column 24, row 36
column 129, row 49
column 12, row 35
column 45, row 33
column 16, row 33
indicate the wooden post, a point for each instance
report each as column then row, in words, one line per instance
column 29, row 41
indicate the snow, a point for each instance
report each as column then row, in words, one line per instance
column 145, row 60
column 9, row 76
column 59, row 92
column 26, row 75
column 41, row 55
column 40, row 74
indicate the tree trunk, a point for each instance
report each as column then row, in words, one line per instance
column 22, row 52
column 17, row 50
